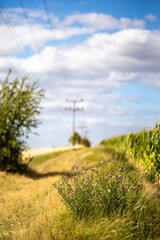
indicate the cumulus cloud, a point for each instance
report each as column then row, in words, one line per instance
column 92, row 68
column 103, row 21
column 151, row 18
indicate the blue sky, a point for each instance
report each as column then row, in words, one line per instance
column 106, row 52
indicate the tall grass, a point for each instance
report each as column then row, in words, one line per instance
column 34, row 209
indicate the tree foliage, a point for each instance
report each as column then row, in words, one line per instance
column 85, row 142
column 19, row 108
column 75, row 138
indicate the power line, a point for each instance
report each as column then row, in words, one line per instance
column 65, row 75
column 74, row 109
column 37, row 46
column 13, row 34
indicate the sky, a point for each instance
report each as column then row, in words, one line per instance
column 106, row 52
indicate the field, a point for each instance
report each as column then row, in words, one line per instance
column 32, row 208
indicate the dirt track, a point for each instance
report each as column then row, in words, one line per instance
column 41, row 151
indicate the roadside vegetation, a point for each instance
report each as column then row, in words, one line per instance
column 100, row 196
column 19, row 110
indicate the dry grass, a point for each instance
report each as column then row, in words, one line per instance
column 26, row 203
column 31, row 208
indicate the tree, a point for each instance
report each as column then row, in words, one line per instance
column 84, row 141
column 19, row 108
column 75, row 138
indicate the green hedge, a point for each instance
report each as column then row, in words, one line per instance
column 143, row 147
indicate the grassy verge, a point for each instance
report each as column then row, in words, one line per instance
column 32, row 210
column 44, row 157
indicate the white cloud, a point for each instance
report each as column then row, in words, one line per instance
column 103, row 21
column 90, row 69
column 151, row 18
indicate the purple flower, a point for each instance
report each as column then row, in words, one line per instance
column 107, row 172
column 110, row 175
column 96, row 180
column 103, row 182
column 82, row 178
column 73, row 166
column 87, row 162
column 112, row 171
column 126, row 190
column 124, row 169
column 53, row 183
column 93, row 169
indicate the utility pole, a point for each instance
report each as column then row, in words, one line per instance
column 82, row 126
column 86, row 132
column 74, row 109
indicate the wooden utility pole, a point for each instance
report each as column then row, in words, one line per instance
column 74, row 109
column 82, row 126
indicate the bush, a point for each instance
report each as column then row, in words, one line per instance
column 85, row 142
column 96, row 192
column 19, row 109
column 75, row 138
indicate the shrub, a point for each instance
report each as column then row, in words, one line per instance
column 75, row 138
column 90, row 192
column 19, row 108
column 84, row 141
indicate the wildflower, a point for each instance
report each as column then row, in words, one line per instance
column 124, row 169
column 83, row 167
column 73, row 166
column 109, row 190
column 101, row 161
column 72, row 190
column 96, row 180
column 110, row 175
column 93, row 169
column 107, row 171
column 103, row 182
column 60, row 183
column 126, row 190
column 53, row 183
column 83, row 171
column 71, row 193
column 112, row 171
column 58, row 188
column 82, row 178
column 88, row 170
column 87, row 162
column 120, row 169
